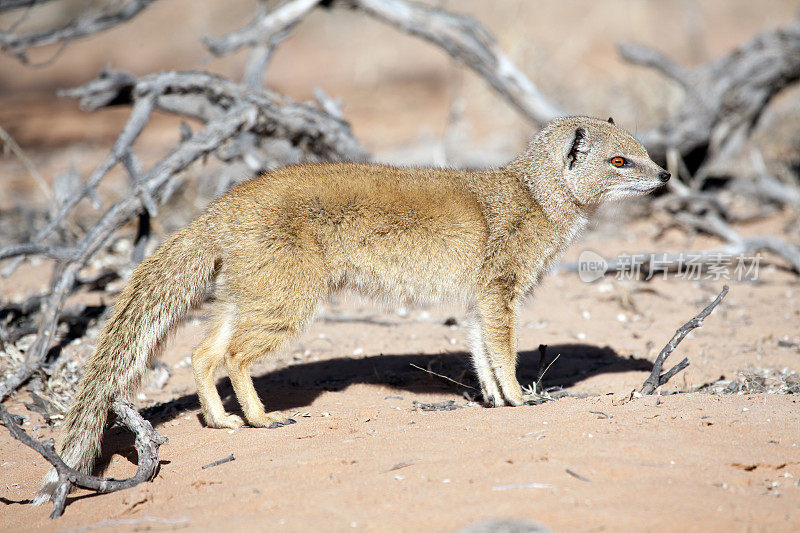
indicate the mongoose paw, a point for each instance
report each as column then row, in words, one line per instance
column 270, row 420
column 494, row 401
column 515, row 402
column 225, row 421
column 281, row 424
column 533, row 399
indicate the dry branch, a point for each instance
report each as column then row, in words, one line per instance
column 218, row 462
column 261, row 53
column 264, row 29
column 8, row 141
column 87, row 23
column 461, row 36
column 148, row 442
column 230, row 111
column 466, row 40
column 724, row 98
column 155, row 185
column 713, row 224
column 656, row 378
column 7, row 5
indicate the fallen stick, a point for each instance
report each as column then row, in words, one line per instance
column 219, row 462
column 656, row 378
column 541, row 369
column 577, row 475
column 451, row 380
column 147, row 443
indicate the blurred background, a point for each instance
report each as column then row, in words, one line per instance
column 407, row 100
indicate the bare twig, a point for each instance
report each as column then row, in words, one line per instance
column 466, row 40
column 53, row 252
column 12, row 145
column 461, row 36
column 7, row 5
column 85, row 24
column 403, row 464
column 442, row 376
column 656, row 378
column 148, row 442
column 218, row 462
column 258, row 59
column 577, row 475
column 117, row 215
column 544, row 366
column 766, row 186
column 264, row 29
column 647, row 57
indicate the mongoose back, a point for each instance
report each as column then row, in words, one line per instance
column 280, row 243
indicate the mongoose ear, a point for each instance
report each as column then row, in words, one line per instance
column 578, row 149
column 610, row 120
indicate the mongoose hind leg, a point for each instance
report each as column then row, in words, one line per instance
column 252, row 340
column 208, row 356
column 265, row 322
column 498, row 327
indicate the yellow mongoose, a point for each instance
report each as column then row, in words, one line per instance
column 281, row 242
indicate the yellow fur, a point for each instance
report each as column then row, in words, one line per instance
column 280, row 243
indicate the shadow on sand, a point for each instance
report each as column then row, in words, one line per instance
column 297, row 386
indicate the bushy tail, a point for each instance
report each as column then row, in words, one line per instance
column 161, row 290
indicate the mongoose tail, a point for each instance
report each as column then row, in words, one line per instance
column 161, row 290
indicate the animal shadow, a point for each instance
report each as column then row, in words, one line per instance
column 297, row 386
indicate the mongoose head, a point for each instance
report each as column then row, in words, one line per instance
column 594, row 160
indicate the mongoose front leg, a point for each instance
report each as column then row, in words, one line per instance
column 483, row 367
column 498, row 326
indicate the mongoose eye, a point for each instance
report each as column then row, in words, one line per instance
column 619, row 162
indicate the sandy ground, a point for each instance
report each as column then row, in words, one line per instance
column 363, row 454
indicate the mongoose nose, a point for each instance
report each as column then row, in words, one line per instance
column 664, row 176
